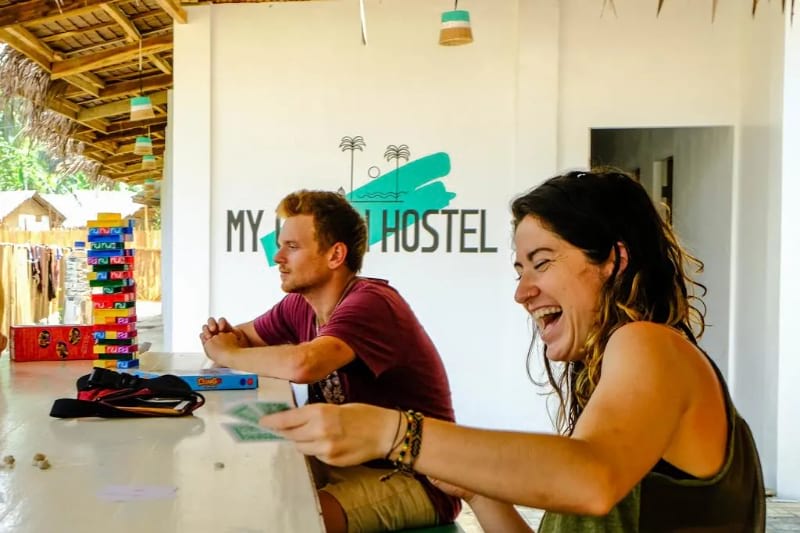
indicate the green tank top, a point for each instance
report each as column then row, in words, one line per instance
column 730, row 502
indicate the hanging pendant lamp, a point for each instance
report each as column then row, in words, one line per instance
column 143, row 145
column 141, row 106
column 148, row 161
column 456, row 28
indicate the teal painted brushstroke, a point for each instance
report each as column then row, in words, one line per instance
column 418, row 192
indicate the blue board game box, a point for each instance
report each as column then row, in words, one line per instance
column 208, row 378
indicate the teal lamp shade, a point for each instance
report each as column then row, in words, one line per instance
column 148, row 161
column 141, row 108
column 456, row 28
column 143, row 145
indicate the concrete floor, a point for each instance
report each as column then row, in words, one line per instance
column 782, row 516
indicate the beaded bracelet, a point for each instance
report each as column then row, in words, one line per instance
column 411, row 445
column 395, row 442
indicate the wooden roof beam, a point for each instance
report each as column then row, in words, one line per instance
column 45, row 11
column 75, row 33
column 160, row 63
column 126, row 88
column 128, row 148
column 94, row 27
column 136, row 173
column 37, row 54
column 134, row 124
column 130, row 157
column 129, row 134
column 120, row 54
column 110, row 149
column 83, row 84
column 72, row 111
column 119, row 107
column 120, row 18
column 173, row 9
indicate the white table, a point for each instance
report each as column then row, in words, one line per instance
column 264, row 486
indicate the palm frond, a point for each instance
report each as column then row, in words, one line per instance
column 28, row 86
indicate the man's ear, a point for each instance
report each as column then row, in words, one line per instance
column 337, row 255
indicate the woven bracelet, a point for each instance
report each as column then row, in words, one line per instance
column 410, row 447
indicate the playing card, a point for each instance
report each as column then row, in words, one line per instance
column 268, row 408
column 243, row 432
column 244, row 412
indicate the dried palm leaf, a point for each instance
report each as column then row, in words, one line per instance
column 610, row 3
column 29, row 87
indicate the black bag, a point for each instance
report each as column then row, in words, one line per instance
column 111, row 394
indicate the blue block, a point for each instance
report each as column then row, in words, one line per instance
column 133, row 363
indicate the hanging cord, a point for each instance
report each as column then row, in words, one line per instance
column 363, row 23
column 141, row 84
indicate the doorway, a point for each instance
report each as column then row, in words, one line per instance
column 688, row 172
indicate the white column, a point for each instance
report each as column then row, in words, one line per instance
column 188, row 273
column 789, row 315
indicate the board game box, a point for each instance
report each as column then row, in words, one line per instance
column 51, row 342
column 208, row 378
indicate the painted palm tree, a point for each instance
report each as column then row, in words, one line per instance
column 352, row 144
column 397, row 153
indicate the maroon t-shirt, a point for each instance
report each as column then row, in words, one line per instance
column 396, row 364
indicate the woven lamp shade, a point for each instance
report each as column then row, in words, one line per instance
column 143, row 145
column 141, row 108
column 456, row 28
column 148, row 161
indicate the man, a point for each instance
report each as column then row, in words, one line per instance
column 351, row 339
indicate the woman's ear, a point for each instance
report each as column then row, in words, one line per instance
column 619, row 250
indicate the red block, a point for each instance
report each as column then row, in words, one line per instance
column 51, row 343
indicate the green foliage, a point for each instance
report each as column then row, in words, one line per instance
column 26, row 166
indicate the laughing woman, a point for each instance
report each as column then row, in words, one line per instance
column 649, row 439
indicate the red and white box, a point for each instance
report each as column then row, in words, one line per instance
column 67, row 342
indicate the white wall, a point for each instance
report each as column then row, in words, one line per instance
column 703, row 176
column 277, row 119
column 264, row 92
column 755, row 247
column 788, row 475
column 636, row 70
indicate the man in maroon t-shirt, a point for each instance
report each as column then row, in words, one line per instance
column 351, row 339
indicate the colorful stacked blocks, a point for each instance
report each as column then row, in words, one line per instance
column 111, row 260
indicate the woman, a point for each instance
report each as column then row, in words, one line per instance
column 649, row 439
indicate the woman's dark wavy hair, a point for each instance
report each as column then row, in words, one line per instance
column 335, row 220
column 597, row 212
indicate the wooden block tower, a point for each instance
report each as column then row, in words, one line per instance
column 111, row 260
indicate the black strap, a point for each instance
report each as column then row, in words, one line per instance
column 70, row 408
column 110, row 394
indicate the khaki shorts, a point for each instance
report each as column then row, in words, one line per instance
column 372, row 505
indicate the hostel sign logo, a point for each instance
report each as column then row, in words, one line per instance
column 406, row 209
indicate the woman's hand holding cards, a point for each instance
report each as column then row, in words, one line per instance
column 340, row 435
